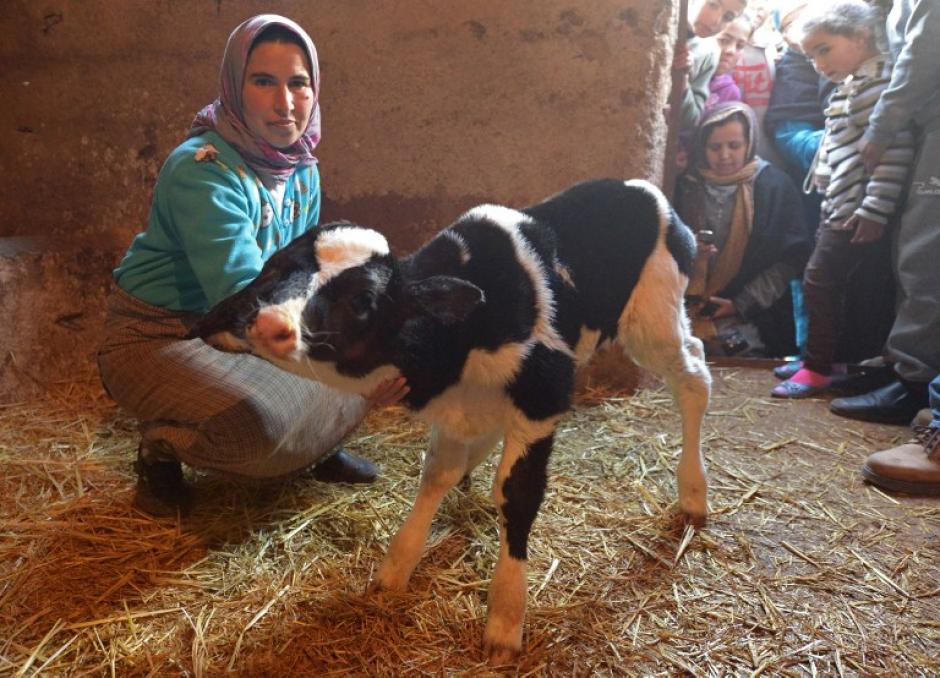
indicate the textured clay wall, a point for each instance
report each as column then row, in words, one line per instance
column 429, row 107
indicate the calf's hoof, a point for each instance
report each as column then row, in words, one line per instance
column 500, row 655
column 696, row 516
column 377, row 587
column 695, row 519
column 385, row 582
column 693, row 507
column 502, row 641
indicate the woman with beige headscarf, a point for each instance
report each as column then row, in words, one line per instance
column 752, row 239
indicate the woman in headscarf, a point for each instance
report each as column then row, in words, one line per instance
column 241, row 186
column 752, row 239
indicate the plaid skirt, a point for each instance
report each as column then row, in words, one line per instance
column 231, row 412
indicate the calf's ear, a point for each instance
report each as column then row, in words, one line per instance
column 448, row 299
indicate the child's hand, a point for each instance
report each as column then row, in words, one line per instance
column 866, row 230
column 681, row 61
column 389, row 392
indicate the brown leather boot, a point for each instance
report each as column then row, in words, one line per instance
column 343, row 467
column 912, row 468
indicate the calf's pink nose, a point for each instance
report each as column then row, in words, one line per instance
column 275, row 331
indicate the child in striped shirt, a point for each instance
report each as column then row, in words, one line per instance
column 840, row 39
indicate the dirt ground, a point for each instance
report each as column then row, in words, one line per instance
column 802, row 569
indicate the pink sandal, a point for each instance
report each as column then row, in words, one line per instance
column 794, row 390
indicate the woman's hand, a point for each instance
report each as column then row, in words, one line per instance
column 720, row 308
column 706, row 250
column 871, row 154
column 866, row 230
column 389, row 392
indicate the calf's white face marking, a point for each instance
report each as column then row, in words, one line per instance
column 337, row 250
column 344, row 248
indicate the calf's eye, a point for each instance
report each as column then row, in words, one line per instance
column 362, row 303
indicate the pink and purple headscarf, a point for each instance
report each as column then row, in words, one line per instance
column 225, row 114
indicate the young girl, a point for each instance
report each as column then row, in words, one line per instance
column 243, row 185
column 840, row 39
column 740, row 288
column 731, row 42
column 697, row 62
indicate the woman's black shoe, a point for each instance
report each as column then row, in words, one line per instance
column 343, row 467
column 161, row 490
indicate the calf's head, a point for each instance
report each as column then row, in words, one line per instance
column 330, row 306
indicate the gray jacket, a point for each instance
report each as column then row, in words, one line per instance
column 913, row 29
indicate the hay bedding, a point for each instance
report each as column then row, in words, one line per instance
column 802, row 570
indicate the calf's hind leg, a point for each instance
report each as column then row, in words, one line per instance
column 447, row 461
column 654, row 330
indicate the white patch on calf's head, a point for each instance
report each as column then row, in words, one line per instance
column 343, row 248
column 461, row 244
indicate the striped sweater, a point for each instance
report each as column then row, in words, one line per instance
column 838, row 169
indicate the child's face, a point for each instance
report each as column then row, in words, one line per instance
column 726, row 148
column 708, row 17
column 730, row 43
column 836, row 56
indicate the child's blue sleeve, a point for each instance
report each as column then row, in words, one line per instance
column 797, row 142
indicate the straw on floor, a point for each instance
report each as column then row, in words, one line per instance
column 802, row 569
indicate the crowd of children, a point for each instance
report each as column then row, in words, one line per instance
column 838, row 98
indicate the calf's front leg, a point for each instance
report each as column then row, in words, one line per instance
column 518, row 491
column 447, row 461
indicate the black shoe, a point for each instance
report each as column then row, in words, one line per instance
column 895, row 403
column 161, row 490
column 860, row 379
column 343, row 467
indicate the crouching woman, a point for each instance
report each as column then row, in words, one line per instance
column 243, row 184
column 752, row 240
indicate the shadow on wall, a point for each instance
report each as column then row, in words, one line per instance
column 52, row 304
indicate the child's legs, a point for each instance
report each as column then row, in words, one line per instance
column 229, row 412
column 824, row 287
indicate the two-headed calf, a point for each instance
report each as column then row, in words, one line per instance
column 488, row 322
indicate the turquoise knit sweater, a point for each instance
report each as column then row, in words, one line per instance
column 212, row 226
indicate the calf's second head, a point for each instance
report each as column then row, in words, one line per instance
column 329, row 306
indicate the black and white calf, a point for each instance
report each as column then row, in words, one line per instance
column 488, row 322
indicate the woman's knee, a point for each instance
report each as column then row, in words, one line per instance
column 253, row 438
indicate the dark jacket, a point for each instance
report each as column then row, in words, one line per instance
column 778, row 234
